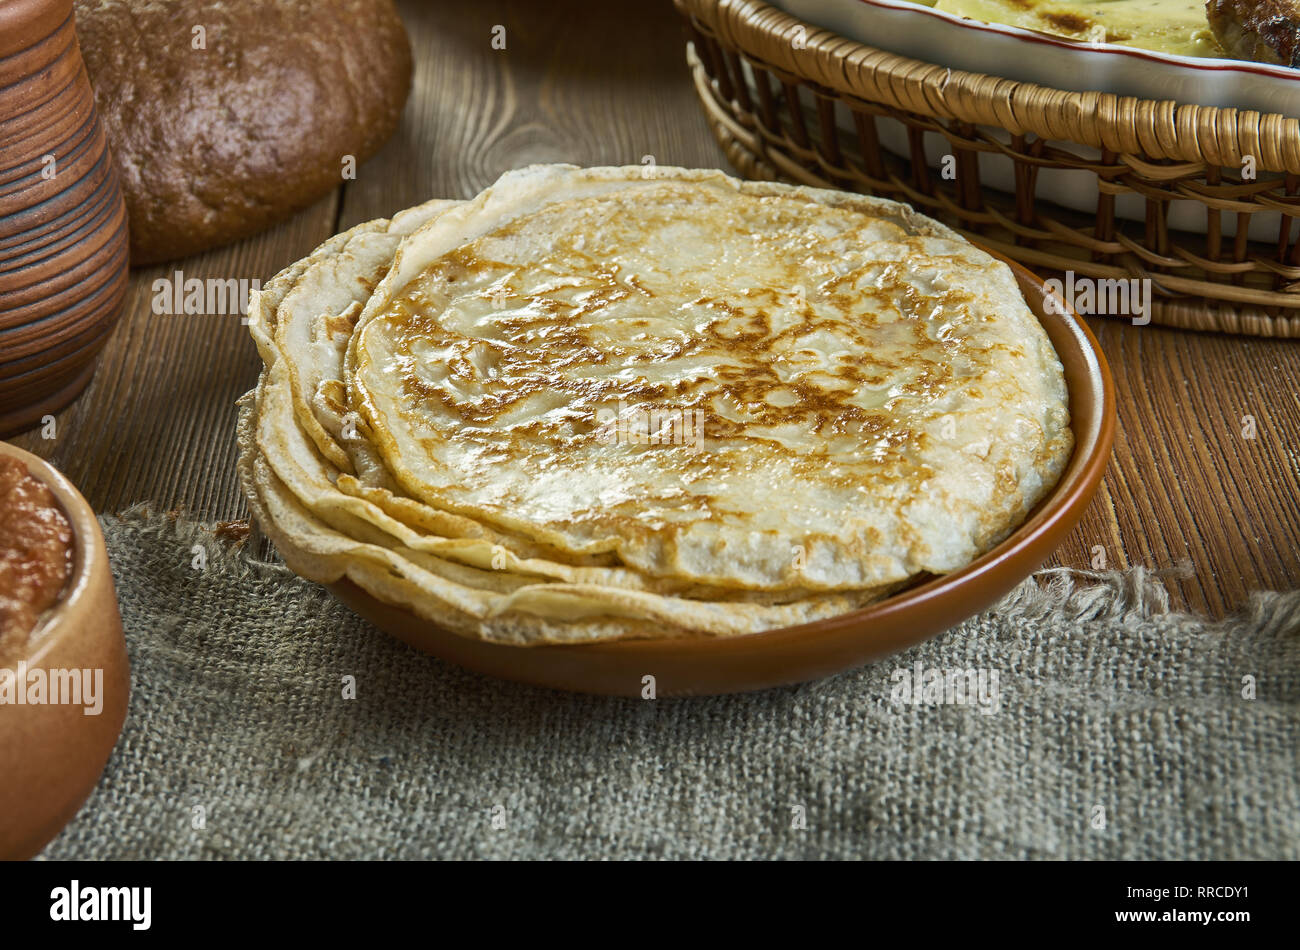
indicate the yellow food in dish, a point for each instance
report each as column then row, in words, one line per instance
column 1178, row 27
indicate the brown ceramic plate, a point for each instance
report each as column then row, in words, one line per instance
column 51, row 756
column 809, row 651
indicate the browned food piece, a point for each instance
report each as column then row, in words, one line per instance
column 35, row 552
column 233, row 532
column 1266, row 31
column 224, row 118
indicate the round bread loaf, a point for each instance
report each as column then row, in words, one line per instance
column 225, row 117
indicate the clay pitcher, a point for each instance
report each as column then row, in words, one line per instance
column 63, row 236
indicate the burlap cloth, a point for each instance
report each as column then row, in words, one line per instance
column 1122, row 732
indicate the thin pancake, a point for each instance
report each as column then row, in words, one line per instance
column 904, row 407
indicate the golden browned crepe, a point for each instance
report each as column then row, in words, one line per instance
column 592, row 404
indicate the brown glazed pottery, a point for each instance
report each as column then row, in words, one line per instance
column 51, row 756
column 63, row 232
column 810, row 651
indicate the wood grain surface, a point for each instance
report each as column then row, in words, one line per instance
column 1188, row 492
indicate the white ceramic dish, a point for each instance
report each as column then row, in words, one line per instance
column 920, row 32
column 911, row 29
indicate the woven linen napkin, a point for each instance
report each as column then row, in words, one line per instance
column 1095, row 724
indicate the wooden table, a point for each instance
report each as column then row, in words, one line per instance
column 593, row 84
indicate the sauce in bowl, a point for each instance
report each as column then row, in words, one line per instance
column 35, row 553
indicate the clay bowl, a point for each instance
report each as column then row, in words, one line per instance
column 51, row 756
column 63, row 226
column 814, row 650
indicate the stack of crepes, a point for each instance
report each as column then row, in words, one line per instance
column 601, row 403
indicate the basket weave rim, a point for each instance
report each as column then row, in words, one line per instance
column 799, row 51
column 754, row 158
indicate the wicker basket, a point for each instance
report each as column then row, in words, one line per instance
column 810, row 110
